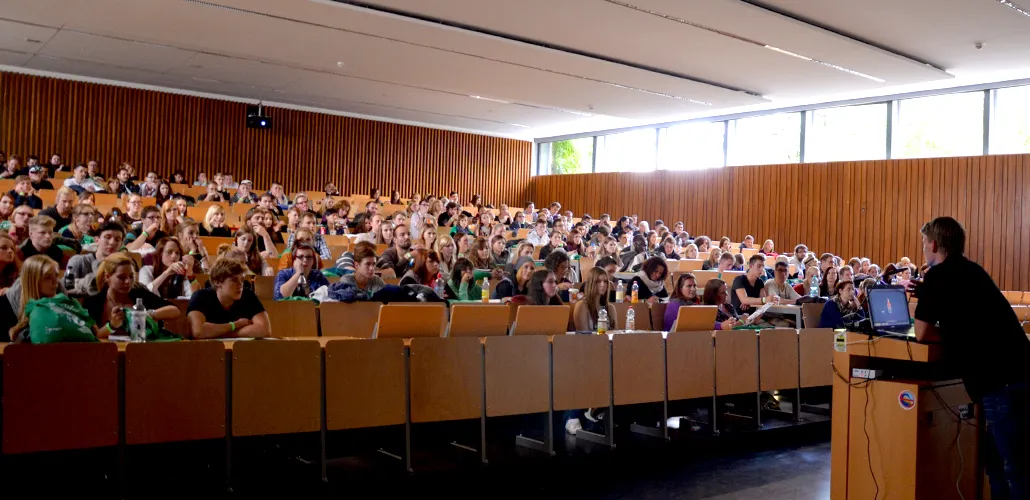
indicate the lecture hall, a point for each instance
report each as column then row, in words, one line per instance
column 597, row 249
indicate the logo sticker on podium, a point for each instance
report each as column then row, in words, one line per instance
column 907, row 400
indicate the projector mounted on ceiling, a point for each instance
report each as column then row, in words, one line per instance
column 256, row 117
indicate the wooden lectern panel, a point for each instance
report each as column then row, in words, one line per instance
column 638, row 368
column 174, row 391
column 446, row 379
column 276, row 387
column 691, row 370
column 581, row 371
column 60, row 397
column 364, row 383
column 518, row 375
column 778, row 359
column 736, row 362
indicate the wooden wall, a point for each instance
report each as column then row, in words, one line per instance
column 868, row 208
column 303, row 150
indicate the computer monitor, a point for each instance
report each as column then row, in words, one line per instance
column 888, row 308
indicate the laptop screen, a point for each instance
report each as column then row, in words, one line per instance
column 888, row 308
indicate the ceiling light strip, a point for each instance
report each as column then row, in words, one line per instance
column 754, row 42
column 1015, row 7
column 467, row 54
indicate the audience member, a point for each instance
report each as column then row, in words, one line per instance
column 80, row 181
column 303, row 277
column 118, row 290
column 201, row 180
column 307, row 221
column 246, row 240
column 828, row 286
column 37, row 180
column 83, row 217
column 23, row 193
column 164, row 193
column 651, row 280
column 726, row 316
column 80, row 276
column 364, row 278
column 842, row 309
column 425, row 268
column 41, row 240
column 244, row 194
column 542, row 290
column 748, row 291
column 595, row 299
column 10, row 264
column 228, row 309
column 61, row 212
column 214, row 223
column 39, row 279
column 713, row 260
column 6, row 210
column 167, row 277
column 196, row 255
column 397, row 256
column 684, row 293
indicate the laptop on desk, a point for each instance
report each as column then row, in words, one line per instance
column 888, row 312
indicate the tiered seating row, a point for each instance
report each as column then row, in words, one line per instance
column 184, row 391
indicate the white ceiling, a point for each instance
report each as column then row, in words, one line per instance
column 544, row 66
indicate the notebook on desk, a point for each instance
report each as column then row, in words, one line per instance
column 888, row 312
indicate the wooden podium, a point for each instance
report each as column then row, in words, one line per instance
column 912, row 434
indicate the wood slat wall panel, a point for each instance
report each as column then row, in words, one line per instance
column 868, row 208
column 163, row 132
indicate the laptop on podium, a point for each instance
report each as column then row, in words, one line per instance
column 888, row 312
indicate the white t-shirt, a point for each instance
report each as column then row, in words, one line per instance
column 146, row 277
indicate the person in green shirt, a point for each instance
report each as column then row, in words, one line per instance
column 83, row 217
column 462, row 285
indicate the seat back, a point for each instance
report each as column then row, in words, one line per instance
column 411, row 320
column 292, row 318
column 357, row 320
column 478, row 320
column 811, row 312
column 541, row 320
column 695, row 318
column 264, row 286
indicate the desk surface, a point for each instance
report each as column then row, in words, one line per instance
column 860, row 344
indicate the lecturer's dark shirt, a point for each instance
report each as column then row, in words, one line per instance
column 980, row 332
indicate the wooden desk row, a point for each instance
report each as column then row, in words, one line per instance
column 66, row 396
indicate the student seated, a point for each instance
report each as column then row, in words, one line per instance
column 214, row 223
column 397, row 256
column 10, row 264
column 516, row 280
column 424, row 270
column 80, row 277
column 558, row 263
column 286, row 259
column 288, row 282
column 23, row 195
column 39, row 279
column 168, row 277
column 307, row 221
column 364, row 276
column 684, row 294
column 595, row 298
column 541, row 291
column 462, row 284
column 148, row 233
column 227, row 309
column 669, row 248
column 37, row 180
column 117, row 291
column 842, row 309
column 246, row 240
column 83, row 217
column 778, row 286
column 61, row 212
column 748, row 292
column 716, row 295
column 41, row 239
column 651, row 280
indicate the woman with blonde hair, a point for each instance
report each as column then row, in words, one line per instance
column 214, row 223
column 83, row 217
column 118, row 291
column 690, row 251
column 595, row 298
column 39, row 279
column 713, row 259
column 609, row 248
column 524, row 249
column 448, row 252
column 428, row 239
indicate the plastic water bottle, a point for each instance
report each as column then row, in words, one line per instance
column 620, row 292
column 486, row 290
column 631, row 320
column 635, row 297
column 438, row 286
column 602, row 322
column 138, row 322
column 813, row 290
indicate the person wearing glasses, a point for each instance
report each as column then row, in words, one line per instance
column 779, row 287
column 289, row 282
column 148, row 232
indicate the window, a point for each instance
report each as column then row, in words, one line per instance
column 847, row 134
column 692, row 146
column 765, row 140
column 633, row 151
column 574, row 156
column 1010, row 132
column 941, row 125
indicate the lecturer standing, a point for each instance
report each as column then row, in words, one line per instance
column 961, row 307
